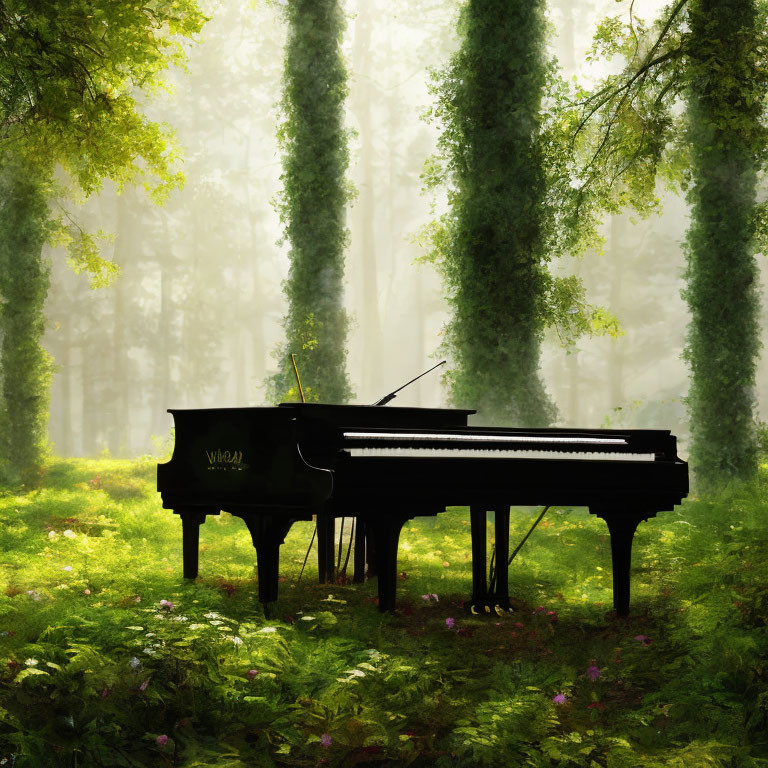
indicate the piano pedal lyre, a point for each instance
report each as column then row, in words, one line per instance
column 487, row 608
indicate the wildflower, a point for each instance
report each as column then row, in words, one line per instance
column 67, row 568
column 251, row 673
column 143, row 686
column 31, row 662
column 425, row 598
column 237, row 640
column 518, row 624
column 161, row 740
column 540, row 609
column 596, row 705
column 559, row 699
column 326, row 740
column 166, row 605
column 104, row 692
column 445, row 563
column 643, row 640
column 86, row 591
column 593, row 673
column 134, row 663
column 435, row 597
column 137, row 599
column 53, row 535
column 68, row 534
column 450, row 623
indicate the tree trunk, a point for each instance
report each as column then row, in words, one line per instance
column 723, row 336
column 24, row 281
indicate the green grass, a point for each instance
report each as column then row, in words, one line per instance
column 95, row 672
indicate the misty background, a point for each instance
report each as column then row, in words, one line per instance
column 196, row 312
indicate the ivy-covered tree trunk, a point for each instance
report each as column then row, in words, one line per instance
column 495, row 264
column 722, row 288
column 313, row 202
column 24, row 280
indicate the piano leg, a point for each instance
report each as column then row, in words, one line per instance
column 385, row 531
column 326, row 529
column 622, row 527
column 190, row 533
column 268, row 533
column 478, row 525
column 501, row 525
column 359, row 562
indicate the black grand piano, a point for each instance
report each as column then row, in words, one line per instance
column 273, row 466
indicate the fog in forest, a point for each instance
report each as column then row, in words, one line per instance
column 196, row 313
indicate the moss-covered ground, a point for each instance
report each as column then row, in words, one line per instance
column 108, row 658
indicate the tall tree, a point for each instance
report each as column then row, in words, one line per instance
column 627, row 130
column 493, row 247
column 313, row 201
column 67, row 98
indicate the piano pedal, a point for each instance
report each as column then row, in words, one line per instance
column 472, row 610
column 499, row 610
column 487, row 609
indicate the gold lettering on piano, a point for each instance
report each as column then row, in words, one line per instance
column 225, row 460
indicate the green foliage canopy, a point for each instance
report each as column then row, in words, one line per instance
column 312, row 204
column 70, row 77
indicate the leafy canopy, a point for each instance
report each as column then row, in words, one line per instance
column 70, row 77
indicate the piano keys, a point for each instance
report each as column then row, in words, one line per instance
column 384, row 466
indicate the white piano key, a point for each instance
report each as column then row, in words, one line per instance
column 480, row 437
column 491, row 453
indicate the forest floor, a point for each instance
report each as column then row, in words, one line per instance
column 108, row 658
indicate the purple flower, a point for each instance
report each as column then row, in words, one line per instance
column 326, row 740
column 434, row 597
column 450, row 623
column 593, row 673
column 161, row 740
column 166, row 605
column 143, row 686
column 251, row 673
column 643, row 639
column 559, row 699
column 425, row 597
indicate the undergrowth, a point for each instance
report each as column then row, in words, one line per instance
column 108, row 658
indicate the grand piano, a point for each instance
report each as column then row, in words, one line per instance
column 273, row 466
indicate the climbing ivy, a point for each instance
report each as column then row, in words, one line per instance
column 312, row 204
column 494, row 246
column 630, row 130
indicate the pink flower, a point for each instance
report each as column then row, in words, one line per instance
column 434, row 597
column 251, row 673
column 593, row 673
column 143, row 686
column 425, row 598
column 161, row 740
column 643, row 639
column 559, row 699
column 450, row 623
column 86, row 591
column 166, row 605
column 326, row 740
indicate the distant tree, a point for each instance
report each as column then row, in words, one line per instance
column 68, row 79
column 627, row 131
column 313, row 202
column 494, row 246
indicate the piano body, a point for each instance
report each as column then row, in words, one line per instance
column 273, row 466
